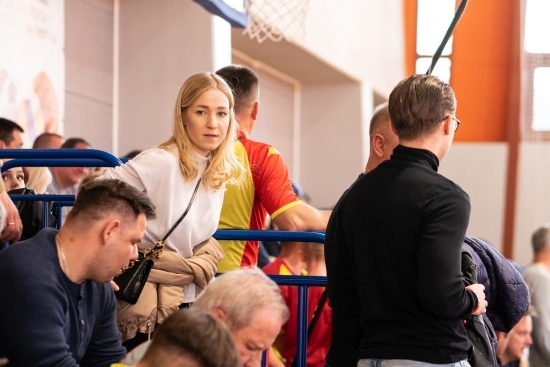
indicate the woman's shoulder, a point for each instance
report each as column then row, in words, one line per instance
column 155, row 155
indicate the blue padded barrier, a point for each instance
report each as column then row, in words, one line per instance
column 108, row 159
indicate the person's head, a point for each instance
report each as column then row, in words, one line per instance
column 38, row 178
column 512, row 345
column 14, row 178
column 418, row 107
column 540, row 239
column 10, row 134
column 252, row 307
column 244, row 83
column 69, row 176
column 204, row 123
column 76, row 143
column 191, row 337
column 382, row 139
column 48, row 141
column 108, row 219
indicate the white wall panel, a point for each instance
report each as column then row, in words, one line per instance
column 480, row 169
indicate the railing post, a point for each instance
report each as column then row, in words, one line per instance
column 303, row 320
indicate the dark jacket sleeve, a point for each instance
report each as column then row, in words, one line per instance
column 441, row 288
column 506, row 291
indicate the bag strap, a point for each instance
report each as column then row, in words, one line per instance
column 157, row 249
column 316, row 315
column 184, row 213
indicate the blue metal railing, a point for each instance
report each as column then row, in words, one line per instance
column 98, row 158
column 303, row 283
column 108, row 160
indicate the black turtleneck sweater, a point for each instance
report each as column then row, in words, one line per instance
column 393, row 258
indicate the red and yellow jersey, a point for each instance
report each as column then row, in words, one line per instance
column 265, row 189
column 318, row 345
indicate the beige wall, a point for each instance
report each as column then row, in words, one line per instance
column 480, row 169
column 364, row 39
column 89, row 71
column 533, row 196
column 161, row 44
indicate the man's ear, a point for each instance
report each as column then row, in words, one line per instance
column 378, row 144
column 448, row 125
column 2, row 144
column 111, row 230
column 254, row 112
column 216, row 312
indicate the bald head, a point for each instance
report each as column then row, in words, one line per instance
column 382, row 139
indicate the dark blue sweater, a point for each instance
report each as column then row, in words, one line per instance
column 47, row 320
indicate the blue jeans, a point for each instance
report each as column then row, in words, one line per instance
column 405, row 362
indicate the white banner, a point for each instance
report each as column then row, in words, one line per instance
column 32, row 65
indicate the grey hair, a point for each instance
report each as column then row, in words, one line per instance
column 539, row 240
column 240, row 294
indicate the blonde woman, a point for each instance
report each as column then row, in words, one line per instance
column 201, row 147
column 37, row 178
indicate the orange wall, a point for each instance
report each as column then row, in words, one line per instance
column 480, row 69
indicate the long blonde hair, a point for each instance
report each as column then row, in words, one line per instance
column 38, row 179
column 223, row 165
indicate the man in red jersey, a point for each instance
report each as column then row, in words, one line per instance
column 266, row 187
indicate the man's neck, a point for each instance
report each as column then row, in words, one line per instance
column 543, row 258
column 315, row 267
column 372, row 163
column 71, row 262
column 292, row 256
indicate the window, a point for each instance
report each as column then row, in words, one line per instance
column 433, row 20
column 536, row 65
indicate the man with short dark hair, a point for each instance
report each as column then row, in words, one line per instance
column 10, row 134
column 58, row 308
column 266, row 189
column 397, row 237
column 48, row 141
column 537, row 277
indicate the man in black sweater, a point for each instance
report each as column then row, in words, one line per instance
column 393, row 245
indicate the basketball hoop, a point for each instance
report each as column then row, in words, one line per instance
column 276, row 19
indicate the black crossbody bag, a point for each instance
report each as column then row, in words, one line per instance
column 132, row 279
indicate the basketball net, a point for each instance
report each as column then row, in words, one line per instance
column 276, row 19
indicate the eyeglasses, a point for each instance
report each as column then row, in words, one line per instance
column 454, row 118
column 457, row 123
